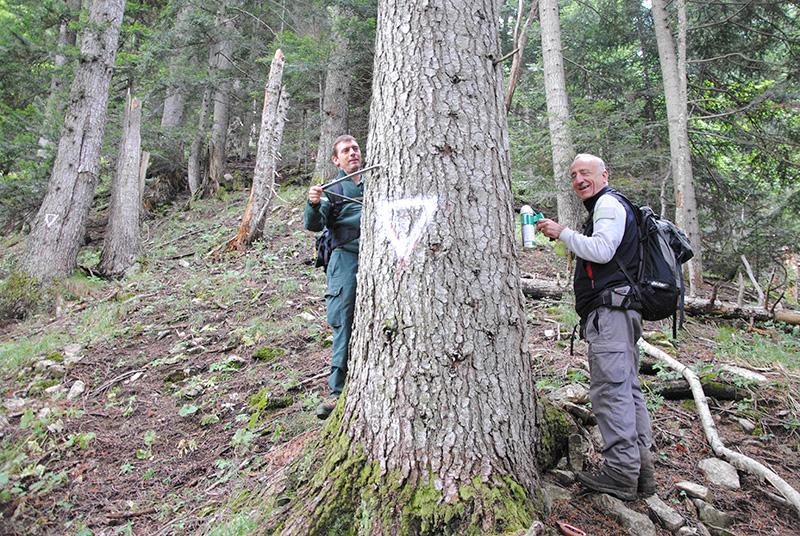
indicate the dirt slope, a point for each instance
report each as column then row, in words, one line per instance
column 201, row 375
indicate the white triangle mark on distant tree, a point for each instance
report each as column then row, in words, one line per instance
column 50, row 219
column 401, row 226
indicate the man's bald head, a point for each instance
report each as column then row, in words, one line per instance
column 601, row 165
column 589, row 175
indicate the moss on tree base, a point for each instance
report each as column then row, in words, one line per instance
column 336, row 490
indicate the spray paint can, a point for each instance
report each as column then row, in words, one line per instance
column 528, row 227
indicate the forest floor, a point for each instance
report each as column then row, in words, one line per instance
column 201, row 374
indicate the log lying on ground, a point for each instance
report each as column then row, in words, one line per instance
column 737, row 459
column 542, row 288
column 701, row 306
column 680, row 389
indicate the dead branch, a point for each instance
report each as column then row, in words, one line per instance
column 737, row 459
column 753, row 280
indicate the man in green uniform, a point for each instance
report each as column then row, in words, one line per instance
column 345, row 226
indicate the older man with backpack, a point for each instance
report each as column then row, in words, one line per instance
column 607, row 300
column 339, row 214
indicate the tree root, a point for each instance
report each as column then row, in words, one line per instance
column 737, row 459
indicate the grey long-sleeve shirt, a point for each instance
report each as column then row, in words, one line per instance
column 609, row 228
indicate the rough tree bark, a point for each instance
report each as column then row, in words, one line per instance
column 673, row 71
column 337, row 96
column 273, row 117
column 440, row 428
column 569, row 206
column 520, row 41
column 58, row 229
column 55, row 106
column 121, row 244
column 172, row 113
column 195, row 165
column 219, row 126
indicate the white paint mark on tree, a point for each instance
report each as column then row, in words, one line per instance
column 50, row 219
column 405, row 220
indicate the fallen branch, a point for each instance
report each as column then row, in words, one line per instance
column 737, row 459
column 543, row 288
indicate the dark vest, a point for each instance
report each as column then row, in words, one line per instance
column 591, row 278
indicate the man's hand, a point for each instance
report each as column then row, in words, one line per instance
column 549, row 228
column 315, row 194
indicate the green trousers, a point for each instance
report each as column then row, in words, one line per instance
column 340, row 300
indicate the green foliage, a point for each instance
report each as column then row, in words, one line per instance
column 268, row 353
column 19, row 296
column 756, row 349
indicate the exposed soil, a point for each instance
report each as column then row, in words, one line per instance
column 203, row 387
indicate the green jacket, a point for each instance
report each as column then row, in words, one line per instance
column 315, row 217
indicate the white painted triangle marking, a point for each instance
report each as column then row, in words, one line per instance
column 50, row 219
column 405, row 220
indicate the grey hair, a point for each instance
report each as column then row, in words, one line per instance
column 587, row 156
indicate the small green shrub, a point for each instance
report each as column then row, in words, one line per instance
column 20, row 295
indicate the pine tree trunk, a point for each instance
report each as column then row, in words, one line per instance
column 175, row 100
column 673, row 71
column 219, row 126
column 273, row 117
column 55, row 106
column 195, row 165
column 569, row 206
column 336, row 99
column 58, row 229
column 121, row 244
column 438, row 433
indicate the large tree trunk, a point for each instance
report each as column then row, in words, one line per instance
column 336, row 98
column 273, row 117
column 673, row 71
column 520, row 41
column 569, row 206
column 439, row 429
column 219, row 126
column 121, row 243
column 58, row 229
column 55, row 105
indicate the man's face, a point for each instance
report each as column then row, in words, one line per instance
column 348, row 156
column 587, row 179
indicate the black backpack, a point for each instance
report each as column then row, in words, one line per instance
column 326, row 241
column 663, row 249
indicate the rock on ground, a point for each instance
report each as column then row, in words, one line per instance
column 720, row 472
column 637, row 524
column 694, row 490
column 76, row 390
column 711, row 516
column 664, row 515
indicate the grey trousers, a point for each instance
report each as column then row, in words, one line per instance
column 615, row 392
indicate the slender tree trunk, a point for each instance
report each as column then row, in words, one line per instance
column 673, row 71
column 121, row 244
column 438, row 433
column 174, row 102
column 520, row 41
column 569, row 206
column 336, row 98
column 273, row 117
column 55, row 105
column 195, row 166
column 219, row 126
column 58, row 229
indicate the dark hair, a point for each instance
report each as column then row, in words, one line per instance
column 340, row 139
